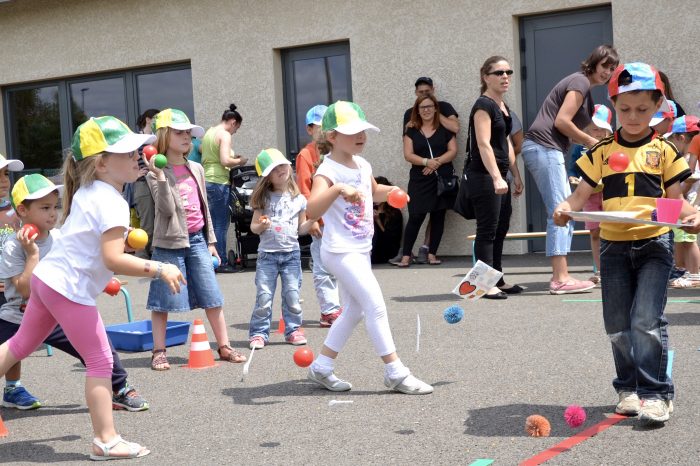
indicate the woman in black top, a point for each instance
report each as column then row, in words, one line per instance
column 490, row 157
column 430, row 149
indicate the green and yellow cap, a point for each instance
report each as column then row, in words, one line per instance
column 34, row 186
column 346, row 118
column 268, row 159
column 106, row 134
column 175, row 119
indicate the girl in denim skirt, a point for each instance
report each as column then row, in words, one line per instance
column 279, row 217
column 183, row 235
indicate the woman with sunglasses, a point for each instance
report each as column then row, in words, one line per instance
column 430, row 148
column 565, row 112
column 490, row 158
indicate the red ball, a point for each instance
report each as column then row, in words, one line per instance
column 113, row 286
column 618, row 161
column 303, row 357
column 30, row 230
column 149, row 151
column 397, row 199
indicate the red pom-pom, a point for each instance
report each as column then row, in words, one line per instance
column 537, row 426
column 575, row 416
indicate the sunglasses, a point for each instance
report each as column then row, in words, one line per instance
column 501, row 72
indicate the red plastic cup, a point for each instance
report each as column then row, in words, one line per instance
column 668, row 210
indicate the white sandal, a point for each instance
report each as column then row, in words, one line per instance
column 135, row 450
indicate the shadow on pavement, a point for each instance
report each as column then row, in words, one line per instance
column 10, row 414
column 34, row 451
column 509, row 420
column 683, row 318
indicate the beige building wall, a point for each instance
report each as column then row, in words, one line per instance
column 233, row 47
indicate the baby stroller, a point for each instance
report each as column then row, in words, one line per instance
column 243, row 181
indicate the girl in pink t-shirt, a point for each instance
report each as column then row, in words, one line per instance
column 183, row 235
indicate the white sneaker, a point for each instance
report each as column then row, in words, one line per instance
column 408, row 385
column 655, row 411
column 629, row 404
column 329, row 382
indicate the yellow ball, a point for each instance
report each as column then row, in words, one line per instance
column 137, row 238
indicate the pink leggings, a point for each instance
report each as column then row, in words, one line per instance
column 82, row 325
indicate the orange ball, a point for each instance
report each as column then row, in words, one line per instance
column 618, row 161
column 397, row 198
column 537, row 426
column 137, row 238
column 149, row 151
column 303, row 357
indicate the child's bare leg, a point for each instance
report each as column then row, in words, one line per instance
column 15, row 372
column 159, row 321
column 7, row 361
column 98, row 394
column 692, row 258
column 215, row 315
column 679, row 255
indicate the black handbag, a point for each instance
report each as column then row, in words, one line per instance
column 446, row 184
column 463, row 204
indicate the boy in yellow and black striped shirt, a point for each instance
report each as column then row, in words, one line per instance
column 636, row 260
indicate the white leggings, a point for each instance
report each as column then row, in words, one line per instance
column 362, row 298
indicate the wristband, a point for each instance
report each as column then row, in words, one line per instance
column 159, row 271
column 425, row 162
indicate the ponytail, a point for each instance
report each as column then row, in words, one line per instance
column 76, row 175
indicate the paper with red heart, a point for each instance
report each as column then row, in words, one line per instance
column 477, row 282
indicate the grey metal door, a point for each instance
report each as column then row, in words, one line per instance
column 312, row 75
column 553, row 46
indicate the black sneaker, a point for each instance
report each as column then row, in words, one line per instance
column 226, row 268
column 128, row 399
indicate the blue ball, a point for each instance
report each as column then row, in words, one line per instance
column 215, row 261
column 453, row 314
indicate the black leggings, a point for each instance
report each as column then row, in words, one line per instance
column 492, row 221
column 437, row 227
column 58, row 340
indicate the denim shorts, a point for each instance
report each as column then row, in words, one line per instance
column 202, row 289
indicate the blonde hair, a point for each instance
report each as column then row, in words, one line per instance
column 163, row 141
column 75, row 176
column 261, row 193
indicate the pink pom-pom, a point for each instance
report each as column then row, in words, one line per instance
column 575, row 416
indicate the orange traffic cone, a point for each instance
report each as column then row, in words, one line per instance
column 3, row 430
column 200, row 352
column 280, row 326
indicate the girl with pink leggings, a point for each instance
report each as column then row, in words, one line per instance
column 82, row 260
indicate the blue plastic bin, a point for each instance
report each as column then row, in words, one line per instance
column 138, row 335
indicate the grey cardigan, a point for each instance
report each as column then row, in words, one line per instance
column 170, row 226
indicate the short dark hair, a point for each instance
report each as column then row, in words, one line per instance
column 605, row 54
column 424, row 80
column 141, row 121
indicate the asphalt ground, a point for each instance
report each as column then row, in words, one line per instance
column 530, row 354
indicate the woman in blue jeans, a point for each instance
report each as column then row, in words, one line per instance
column 565, row 112
column 491, row 156
column 217, row 159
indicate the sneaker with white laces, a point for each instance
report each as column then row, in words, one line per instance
column 655, row 411
column 329, row 382
column 408, row 385
column 629, row 404
column 296, row 338
column 129, row 399
column 570, row 286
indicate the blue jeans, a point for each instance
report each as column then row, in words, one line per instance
column 325, row 284
column 202, row 289
column 219, row 198
column 549, row 172
column 634, row 278
column 268, row 266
